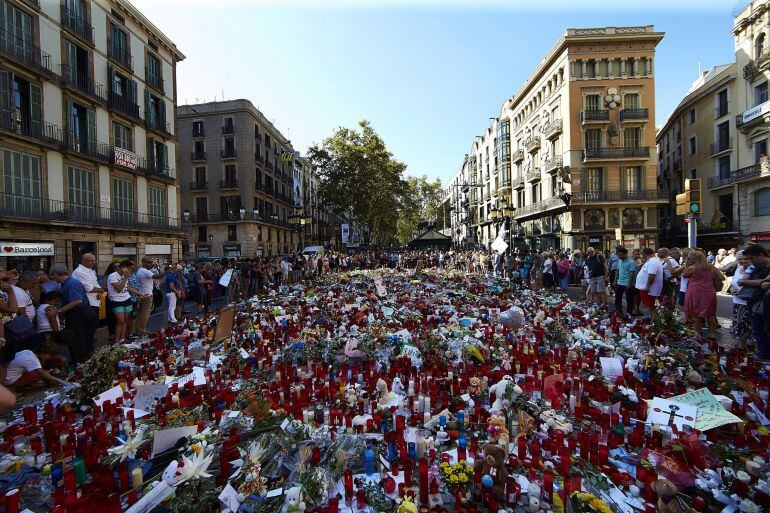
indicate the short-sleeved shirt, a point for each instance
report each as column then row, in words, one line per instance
column 651, row 267
column 171, row 279
column 113, row 294
column 72, row 290
column 24, row 361
column 24, row 300
column 43, row 324
column 50, row 286
column 625, row 269
column 144, row 278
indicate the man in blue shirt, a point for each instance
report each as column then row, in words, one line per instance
column 78, row 316
column 625, row 281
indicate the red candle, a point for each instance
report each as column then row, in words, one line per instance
column 423, row 481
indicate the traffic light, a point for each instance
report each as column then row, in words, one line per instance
column 688, row 203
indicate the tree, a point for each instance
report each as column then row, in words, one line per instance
column 357, row 174
column 421, row 205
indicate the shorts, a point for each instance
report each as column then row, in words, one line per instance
column 122, row 306
column 647, row 299
column 597, row 285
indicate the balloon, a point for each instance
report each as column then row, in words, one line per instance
column 486, row 480
column 613, row 105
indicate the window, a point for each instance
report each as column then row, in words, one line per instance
column 154, row 71
column 762, row 202
column 229, row 127
column 199, row 148
column 122, row 88
column 591, row 69
column 80, row 194
column 22, row 183
column 202, row 235
column 631, row 178
column 197, row 128
column 81, row 128
column 258, row 180
column 723, row 137
column 267, row 141
column 691, row 116
column 157, row 206
column 724, row 167
column 760, row 150
column 77, row 70
column 593, row 101
column 18, row 33
column 632, row 137
column 122, row 137
column 123, row 201
column 230, row 175
column 692, row 146
column 760, row 93
column 155, row 111
column 693, row 173
column 202, row 208
column 232, row 232
column 200, row 175
column 722, row 104
column 229, row 145
column 759, row 45
column 118, row 45
column 230, row 206
column 631, row 101
column 726, row 206
column 257, row 135
column 593, row 138
column 157, row 157
column 593, row 180
column 21, row 104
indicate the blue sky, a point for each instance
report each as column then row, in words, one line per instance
column 428, row 74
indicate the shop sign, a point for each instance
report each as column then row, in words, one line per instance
column 594, row 240
column 760, row 236
column 157, row 249
column 26, row 249
column 124, row 251
column 756, row 111
column 125, row 158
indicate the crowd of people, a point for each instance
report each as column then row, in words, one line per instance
column 44, row 311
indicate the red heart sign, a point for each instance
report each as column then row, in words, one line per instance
column 7, row 249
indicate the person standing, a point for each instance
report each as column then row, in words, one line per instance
column 172, row 294
column 700, row 301
column 120, row 298
column 624, row 281
column 613, row 265
column 77, row 312
column 756, row 277
column 548, row 272
column 598, row 276
column 741, row 325
column 649, row 280
column 144, row 277
column 85, row 273
column 26, row 306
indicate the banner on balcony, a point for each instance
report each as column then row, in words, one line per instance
column 345, row 233
column 26, row 249
column 125, row 158
column 298, row 197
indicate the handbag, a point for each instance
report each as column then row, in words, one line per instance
column 19, row 328
column 157, row 298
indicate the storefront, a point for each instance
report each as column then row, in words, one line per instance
column 159, row 253
column 231, row 250
column 761, row 238
column 124, row 252
column 26, row 255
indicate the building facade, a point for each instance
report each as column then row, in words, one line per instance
column 87, row 134
column 238, row 175
column 571, row 150
column 748, row 178
column 699, row 140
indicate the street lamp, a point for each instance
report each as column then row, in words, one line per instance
column 186, row 216
column 256, row 213
column 242, row 212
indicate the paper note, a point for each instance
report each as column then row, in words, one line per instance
column 225, row 279
column 110, row 395
column 711, row 413
column 275, row 492
column 612, row 366
column 761, row 418
column 199, row 376
column 667, row 413
column 230, row 498
column 146, row 394
column 165, row 439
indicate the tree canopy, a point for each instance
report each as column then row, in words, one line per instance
column 358, row 174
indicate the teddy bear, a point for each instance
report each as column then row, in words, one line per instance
column 474, row 386
column 351, row 349
column 407, row 506
column 668, row 498
column 492, row 469
column 499, row 390
column 497, row 431
column 293, row 502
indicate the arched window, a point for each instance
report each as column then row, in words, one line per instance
column 762, row 202
column 759, row 45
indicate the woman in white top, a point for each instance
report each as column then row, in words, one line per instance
column 741, row 326
column 548, row 272
column 48, row 312
column 118, row 293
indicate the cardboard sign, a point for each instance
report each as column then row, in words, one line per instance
column 147, row 394
column 110, row 395
column 711, row 413
column 612, row 367
column 224, row 323
column 165, row 439
column 666, row 412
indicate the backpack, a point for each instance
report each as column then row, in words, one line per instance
column 596, row 266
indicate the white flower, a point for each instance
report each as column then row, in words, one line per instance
column 195, row 467
column 129, row 446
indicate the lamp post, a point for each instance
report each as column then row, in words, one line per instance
column 211, row 244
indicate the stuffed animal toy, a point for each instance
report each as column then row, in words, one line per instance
column 492, row 469
column 499, row 389
column 474, row 386
column 497, row 431
column 293, row 502
column 382, row 389
column 668, row 498
column 398, row 386
column 351, row 349
column 407, row 506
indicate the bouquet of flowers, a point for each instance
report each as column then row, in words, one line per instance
column 457, row 477
column 587, row 503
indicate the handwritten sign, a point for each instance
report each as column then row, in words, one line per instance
column 224, row 323
column 612, row 367
column 711, row 413
column 666, row 412
column 146, row 395
column 165, row 439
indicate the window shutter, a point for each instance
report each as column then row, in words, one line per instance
column 162, row 114
column 151, row 154
column 165, row 159
column 5, row 90
column 91, row 120
column 111, row 78
column 131, row 86
column 36, row 101
column 149, row 114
